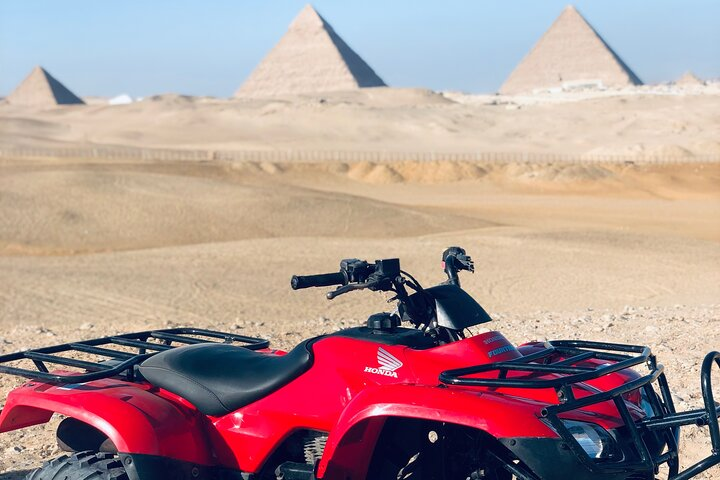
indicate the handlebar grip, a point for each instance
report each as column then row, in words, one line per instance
column 322, row 280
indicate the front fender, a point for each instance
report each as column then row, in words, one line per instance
column 136, row 420
column 352, row 440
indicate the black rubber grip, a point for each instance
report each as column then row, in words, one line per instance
column 322, row 280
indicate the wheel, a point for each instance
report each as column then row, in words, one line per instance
column 416, row 469
column 410, row 449
column 81, row 466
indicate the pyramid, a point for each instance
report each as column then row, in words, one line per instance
column 689, row 79
column 571, row 51
column 309, row 58
column 40, row 89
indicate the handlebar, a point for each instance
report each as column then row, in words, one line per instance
column 385, row 275
column 321, row 280
column 354, row 274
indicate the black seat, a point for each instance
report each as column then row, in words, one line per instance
column 219, row 378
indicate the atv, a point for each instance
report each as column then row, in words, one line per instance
column 382, row 401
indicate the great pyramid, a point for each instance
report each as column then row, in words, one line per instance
column 309, row 58
column 40, row 89
column 571, row 51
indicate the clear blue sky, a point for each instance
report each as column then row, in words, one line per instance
column 199, row 47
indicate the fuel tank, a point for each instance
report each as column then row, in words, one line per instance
column 380, row 361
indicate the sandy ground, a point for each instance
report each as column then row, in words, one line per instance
column 642, row 122
column 625, row 253
column 618, row 252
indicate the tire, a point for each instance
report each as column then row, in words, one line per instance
column 409, row 449
column 81, row 466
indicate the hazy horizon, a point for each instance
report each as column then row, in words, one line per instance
column 188, row 47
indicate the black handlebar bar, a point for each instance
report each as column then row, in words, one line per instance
column 322, row 280
column 358, row 273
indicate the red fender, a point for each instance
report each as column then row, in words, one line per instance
column 134, row 419
column 349, row 443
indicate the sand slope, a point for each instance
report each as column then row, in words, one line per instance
column 75, row 210
column 383, row 119
column 60, row 209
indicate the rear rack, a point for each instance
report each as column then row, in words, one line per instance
column 118, row 362
column 568, row 354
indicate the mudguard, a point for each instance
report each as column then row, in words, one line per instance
column 136, row 420
column 362, row 420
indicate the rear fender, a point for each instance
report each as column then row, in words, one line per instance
column 352, row 440
column 135, row 419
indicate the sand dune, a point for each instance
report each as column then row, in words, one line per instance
column 383, row 119
column 88, row 208
column 79, row 210
column 591, row 178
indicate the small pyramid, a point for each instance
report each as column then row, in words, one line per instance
column 569, row 51
column 309, row 58
column 689, row 78
column 40, row 89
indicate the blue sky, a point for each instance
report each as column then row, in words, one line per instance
column 209, row 47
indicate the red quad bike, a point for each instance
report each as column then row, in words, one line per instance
column 376, row 402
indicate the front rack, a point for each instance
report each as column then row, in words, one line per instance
column 565, row 361
column 118, row 361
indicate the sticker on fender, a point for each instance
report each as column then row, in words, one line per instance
column 498, row 351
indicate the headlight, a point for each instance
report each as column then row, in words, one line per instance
column 646, row 405
column 595, row 440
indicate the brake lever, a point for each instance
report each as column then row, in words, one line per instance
column 345, row 289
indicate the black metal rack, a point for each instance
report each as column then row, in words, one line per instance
column 567, row 360
column 117, row 361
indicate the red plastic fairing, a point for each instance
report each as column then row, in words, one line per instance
column 343, row 369
column 345, row 383
column 358, row 426
column 135, row 420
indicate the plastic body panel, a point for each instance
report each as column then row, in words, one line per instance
column 134, row 418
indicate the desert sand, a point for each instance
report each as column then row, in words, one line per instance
column 652, row 121
column 604, row 251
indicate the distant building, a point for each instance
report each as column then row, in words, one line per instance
column 571, row 54
column 122, row 99
column 309, row 58
column 40, row 89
